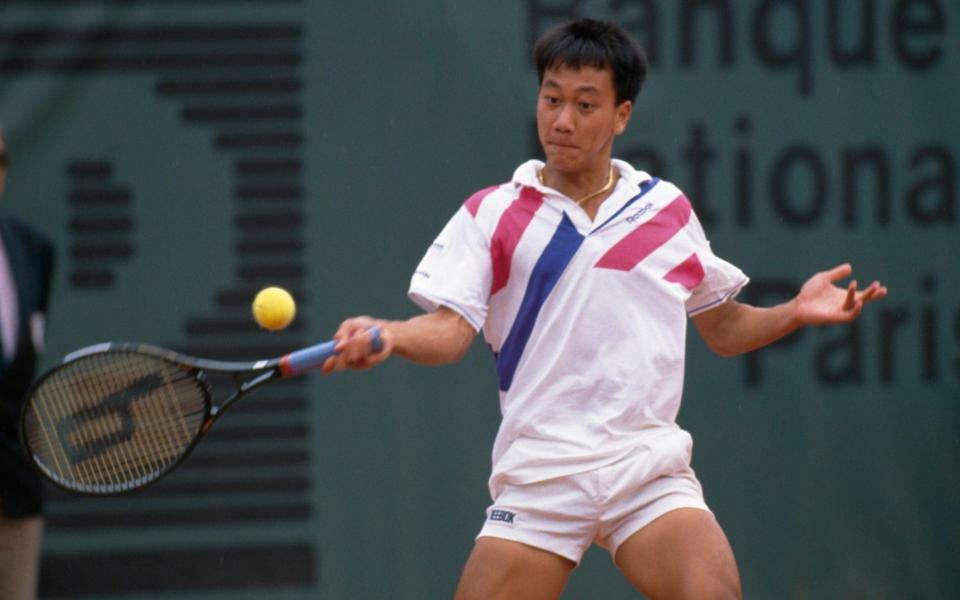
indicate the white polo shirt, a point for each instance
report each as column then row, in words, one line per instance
column 587, row 319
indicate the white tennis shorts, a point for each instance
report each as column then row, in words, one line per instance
column 565, row 515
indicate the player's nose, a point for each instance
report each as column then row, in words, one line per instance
column 565, row 120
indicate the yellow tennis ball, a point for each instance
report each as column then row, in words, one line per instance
column 274, row 308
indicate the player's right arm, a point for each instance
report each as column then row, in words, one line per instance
column 456, row 271
column 435, row 338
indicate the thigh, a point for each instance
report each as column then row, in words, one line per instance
column 19, row 556
column 500, row 569
column 682, row 554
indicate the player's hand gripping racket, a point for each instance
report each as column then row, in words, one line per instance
column 116, row 416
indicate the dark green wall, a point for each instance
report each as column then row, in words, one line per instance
column 184, row 154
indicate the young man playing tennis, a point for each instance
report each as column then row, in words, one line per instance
column 578, row 258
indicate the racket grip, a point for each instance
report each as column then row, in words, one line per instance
column 301, row 361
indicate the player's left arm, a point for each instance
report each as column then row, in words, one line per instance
column 734, row 328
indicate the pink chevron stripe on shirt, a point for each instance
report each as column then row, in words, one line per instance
column 689, row 273
column 513, row 222
column 642, row 241
column 474, row 201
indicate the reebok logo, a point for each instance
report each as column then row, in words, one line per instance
column 633, row 218
column 504, row 516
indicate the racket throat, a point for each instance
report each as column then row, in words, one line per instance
column 214, row 411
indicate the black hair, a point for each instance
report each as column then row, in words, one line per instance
column 4, row 153
column 598, row 44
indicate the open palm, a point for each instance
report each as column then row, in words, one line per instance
column 821, row 302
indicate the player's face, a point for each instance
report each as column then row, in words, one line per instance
column 578, row 117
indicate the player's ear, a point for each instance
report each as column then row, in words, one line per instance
column 622, row 116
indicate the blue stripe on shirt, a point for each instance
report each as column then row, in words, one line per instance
column 550, row 266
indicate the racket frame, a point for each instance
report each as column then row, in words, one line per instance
column 259, row 373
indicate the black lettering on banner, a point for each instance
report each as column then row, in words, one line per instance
column 891, row 318
column 783, row 34
column 863, row 49
column 773, row 54
column 940, row 185
column 842, row 355
column 910, row 20
column 854, row 163
column 644, row 27
column 117, row 403
column 724, row 16
column 850, row 178
column 780, row 188
column 840, row 360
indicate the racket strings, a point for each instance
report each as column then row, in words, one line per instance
column 110, row 421
column 104, row 445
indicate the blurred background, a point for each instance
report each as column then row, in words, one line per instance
column 185, row 154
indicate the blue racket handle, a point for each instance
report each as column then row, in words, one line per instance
column 301, row 361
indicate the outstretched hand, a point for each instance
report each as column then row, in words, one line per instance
column 820, row 302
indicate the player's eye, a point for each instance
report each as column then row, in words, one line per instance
column 585, row 105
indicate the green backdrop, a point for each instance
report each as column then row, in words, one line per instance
column 184, row 154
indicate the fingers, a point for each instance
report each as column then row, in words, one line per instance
column 874, row 292
column 352, row 327
column 354, row 346
column 851, row 299
column 839, row 272
column 349, row 356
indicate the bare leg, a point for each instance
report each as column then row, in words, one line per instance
column 501, row 569
column 19, row 557
column 682, row 555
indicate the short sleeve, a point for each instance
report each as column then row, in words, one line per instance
column 455, row 271
column 721, row 280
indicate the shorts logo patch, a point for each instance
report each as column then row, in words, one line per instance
column 504, row 516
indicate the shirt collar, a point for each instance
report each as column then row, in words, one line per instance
column 526, row 174
column 628, row 186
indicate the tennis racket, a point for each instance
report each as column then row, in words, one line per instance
column 114, row 417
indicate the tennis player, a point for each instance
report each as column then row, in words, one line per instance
column 581, row 272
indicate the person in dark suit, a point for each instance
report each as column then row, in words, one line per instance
column 26, row 270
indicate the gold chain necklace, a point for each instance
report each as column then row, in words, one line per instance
column 606, row 187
